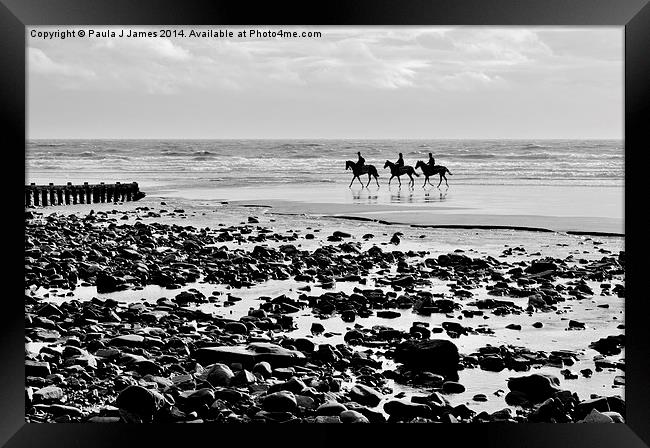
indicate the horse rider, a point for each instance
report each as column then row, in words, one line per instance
column 361, row 160
column 431, row 161
column 400, row 161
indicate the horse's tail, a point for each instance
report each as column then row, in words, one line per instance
column 416, row 173
column 448, row 171
column 373, row 171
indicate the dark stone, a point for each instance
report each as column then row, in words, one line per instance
column 331, row 408
column 452, row 387
column 365, row 395
column 283, row 401
column 437, row 355
column 535, row 387
column 220, row 375
column 144, row 403
column 492, row 363
column 404, row 409
column 248, row 356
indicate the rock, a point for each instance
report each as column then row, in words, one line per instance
column 438, row 355
column 365, row 395
column 331, row 408
column 615, row 416
column 236, row 328
column 596, row 417
column 452, row 387
column 513, row 327
column 388, row 314
column 60, row 409
column 353, row 417
column 573, row 324
column 263, row 369
column 536, row 387
column 219, row 375
column 317, row 328
column 142, row 403
column 128, row 340
column 37, row 369
column 106, row 283
column 198, row 399
column 243, row 378
column 538, row 325
column 492, row 363
column 404, row 409
column 283, row 401
column 250, row 355
column 611, row 345
column 540, row 266
column 48, row 394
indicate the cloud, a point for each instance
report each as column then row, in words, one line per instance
column 41, row 64
column 344, row 59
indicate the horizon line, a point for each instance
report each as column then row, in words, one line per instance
column 325, row 138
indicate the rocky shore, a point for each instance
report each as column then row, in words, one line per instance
column 172, row 360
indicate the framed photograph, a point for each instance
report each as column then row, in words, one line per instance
column 412, row 216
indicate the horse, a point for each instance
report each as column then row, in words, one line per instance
column 397, row 171
column 366, row 169
column 429, row 170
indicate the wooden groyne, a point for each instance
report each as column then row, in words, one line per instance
column 44, row 195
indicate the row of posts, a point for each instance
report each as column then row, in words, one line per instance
column 51, row 194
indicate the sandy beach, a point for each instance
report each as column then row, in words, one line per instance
column 237, row 306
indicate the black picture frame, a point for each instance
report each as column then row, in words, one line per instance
column 634, row 15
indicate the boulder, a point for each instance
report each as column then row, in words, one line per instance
column 219, row 375
column 437, row 355
column 365, row 395
column 283, row 401
column 250, row 355
column 142, row 403
column 536, row 387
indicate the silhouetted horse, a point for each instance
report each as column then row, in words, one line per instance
column 397, row 171
column 365, row 169
column 428, row 170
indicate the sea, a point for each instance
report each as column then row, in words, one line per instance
column 233, row 163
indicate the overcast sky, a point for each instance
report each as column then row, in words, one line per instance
column 364, row 82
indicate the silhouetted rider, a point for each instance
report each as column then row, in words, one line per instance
column 361, row 161
column 400, row 161
column 431, row 161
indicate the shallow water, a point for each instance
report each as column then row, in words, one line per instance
column 600, row 322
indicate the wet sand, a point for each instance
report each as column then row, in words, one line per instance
column 345, row 353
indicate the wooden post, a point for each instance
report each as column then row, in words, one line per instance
column 37, row 199
column 129, row 190
column 87, row 193
column 102, row 192
column 44, row 196
column 59, row 194
column 28, row 197
column 118, row 192
column 67, row 193
column 50, row 190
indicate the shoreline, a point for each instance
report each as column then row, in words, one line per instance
column 165, row 293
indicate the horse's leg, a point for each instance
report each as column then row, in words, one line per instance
column 445, row 180
column 425, row 182
column 399, row 180
column 376, row 180
column 369, row 178
column 440, row 181
column 412, row 180
column 359, row 177
column 353, row 177
column 391, row 178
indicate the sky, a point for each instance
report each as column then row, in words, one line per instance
column 352, row 82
